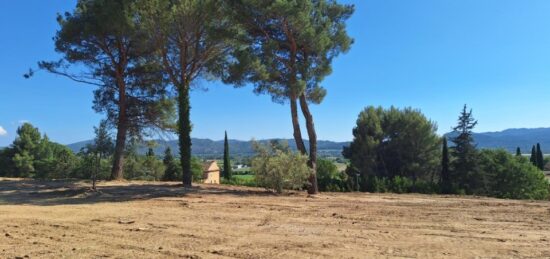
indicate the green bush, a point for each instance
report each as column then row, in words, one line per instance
column 512, row 177
column 400, row 184
column 278, row 168
column 329, row 179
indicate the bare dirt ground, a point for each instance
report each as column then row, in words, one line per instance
column 54, row 219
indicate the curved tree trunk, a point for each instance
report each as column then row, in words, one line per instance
column 313, row 188
column 296, row 126
column 184, row 132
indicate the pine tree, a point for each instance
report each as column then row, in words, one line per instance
column 101, row 44
column 193, row 39
column 226, row 159
column 445, row 177
column 101, row 148
column 533, row 157
column 540, row 158
column 518, row 151
column 291, row 46
column 465, row 172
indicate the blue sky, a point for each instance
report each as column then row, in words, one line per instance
column 434, row 55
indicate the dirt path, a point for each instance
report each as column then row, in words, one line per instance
column 147, row 220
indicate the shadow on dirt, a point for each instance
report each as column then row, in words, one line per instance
column 67, row 192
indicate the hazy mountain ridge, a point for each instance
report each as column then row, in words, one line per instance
column 508, row 139
column 208, row 147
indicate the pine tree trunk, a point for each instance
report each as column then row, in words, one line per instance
column 96, row 172
column 313, row 188
column 184, row 131
column 296, row 127
column 117, row 171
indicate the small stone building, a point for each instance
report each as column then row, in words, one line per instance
column 211, row 172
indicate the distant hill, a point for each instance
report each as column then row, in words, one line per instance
column 214, row 148
column 507, row 139
column 510, row 139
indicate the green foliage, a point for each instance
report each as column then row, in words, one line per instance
column 196, row 169
column 277, row 169
column 329, row 178
column 512, row 177
column 289, row 46
column 241, row 180
column 400, row 184
column 34, row 156
column 393, row 142
column 518, row 151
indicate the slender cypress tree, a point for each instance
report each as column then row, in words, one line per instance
column 445, row 178
column 226, row 161
column 540, row 158
column 533, row 157
column 518, row 151
column 171, row 171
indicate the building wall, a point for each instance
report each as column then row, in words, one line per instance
column 212, row 177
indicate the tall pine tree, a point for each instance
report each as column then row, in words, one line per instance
column 226, row 160
column 101, row 43
column 465, row 172
column 518, row 151
column 192, row 39
column 291, row 46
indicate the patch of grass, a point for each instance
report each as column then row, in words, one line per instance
column 242, row 180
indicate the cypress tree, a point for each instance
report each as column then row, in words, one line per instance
column 226, row 160
column 533, row 157
column 540, row 158
column 171, row 171
column 445, row 178
column 518, row 151
column 150, row 152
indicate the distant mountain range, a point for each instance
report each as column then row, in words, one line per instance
column 511, row 139
column 508, row 139
column 214, row 148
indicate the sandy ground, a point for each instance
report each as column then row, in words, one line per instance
column 160, row 220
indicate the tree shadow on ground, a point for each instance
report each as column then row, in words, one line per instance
column 68, row 192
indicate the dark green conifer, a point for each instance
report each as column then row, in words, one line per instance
column 445, row 177
column 540, row 158
column 226, row 160
column 533, row 157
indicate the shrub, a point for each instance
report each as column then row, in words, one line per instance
column 329, row 178
column 512, row 177
column 401, row 185
column 278, row 168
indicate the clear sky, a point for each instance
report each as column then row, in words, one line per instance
column 434, row 55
